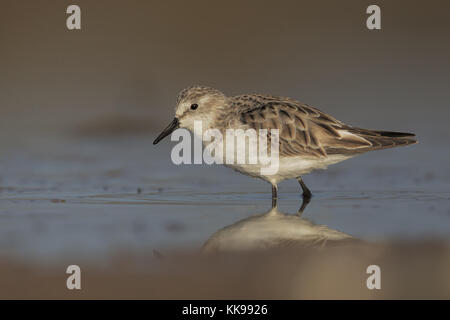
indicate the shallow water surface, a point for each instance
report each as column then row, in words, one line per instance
column 88, row 198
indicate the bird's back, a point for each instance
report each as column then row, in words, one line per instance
column 309, row 132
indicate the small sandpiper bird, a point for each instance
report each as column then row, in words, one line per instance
column 309, row 139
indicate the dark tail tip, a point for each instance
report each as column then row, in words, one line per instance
column 393, row 134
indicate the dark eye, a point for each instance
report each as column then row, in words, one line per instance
column 194, row 106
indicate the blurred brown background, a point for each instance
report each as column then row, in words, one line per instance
column 414, row 271
column 122, row 71
column 67, row 194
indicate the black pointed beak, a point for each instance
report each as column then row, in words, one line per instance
column 170, row 128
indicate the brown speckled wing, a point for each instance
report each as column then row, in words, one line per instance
column 309, row 132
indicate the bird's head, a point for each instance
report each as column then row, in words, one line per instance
column 196, row 104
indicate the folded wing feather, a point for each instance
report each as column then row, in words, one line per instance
column 304, row 130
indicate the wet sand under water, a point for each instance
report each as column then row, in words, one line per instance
column 337, row 271
column 114, row 205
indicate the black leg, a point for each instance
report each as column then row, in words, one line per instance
column 305, row 202
column 274, row 196
column 306, row 195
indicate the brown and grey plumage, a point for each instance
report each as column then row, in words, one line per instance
column 307, row 131
column 309, row 139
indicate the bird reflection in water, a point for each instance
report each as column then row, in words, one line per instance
column 274, row 229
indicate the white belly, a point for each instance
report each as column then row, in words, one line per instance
column 285, row 167
column 289, row 168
